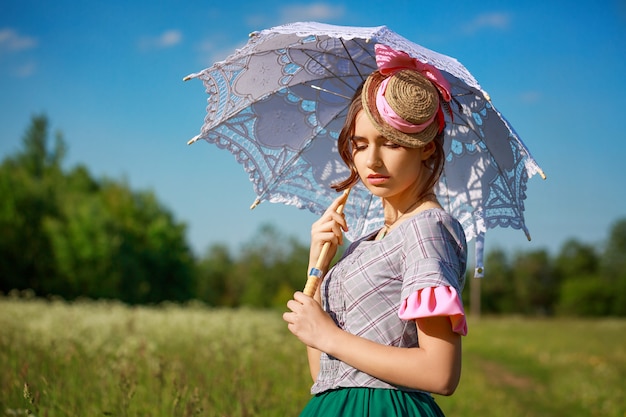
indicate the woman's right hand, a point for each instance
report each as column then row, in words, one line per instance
column 328, row 228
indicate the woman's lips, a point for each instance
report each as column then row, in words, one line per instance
column 375, row 179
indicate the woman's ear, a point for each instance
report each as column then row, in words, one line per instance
column 428, row 150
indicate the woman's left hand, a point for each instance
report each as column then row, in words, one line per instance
column 308, row 322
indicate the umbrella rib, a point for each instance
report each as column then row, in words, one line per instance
column 334, row 76
column 285, row 167
column 281, row 173
column 351, row 59
column 328, row 69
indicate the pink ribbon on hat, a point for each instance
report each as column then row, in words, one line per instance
column 394, row 119
column 390, row 61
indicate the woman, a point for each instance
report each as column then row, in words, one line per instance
column 384, row 329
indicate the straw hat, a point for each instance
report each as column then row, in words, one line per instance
column 412, row 97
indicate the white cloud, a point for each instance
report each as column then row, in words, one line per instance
column 321, row 12
column 530, row 97
column 167, row 39
column 314, row 11
column 211, row 51
column 12, row 41
column 170, row 38
column 12, row 44
column 25, row 70
column 493, row 20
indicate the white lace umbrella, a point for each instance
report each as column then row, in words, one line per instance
column 278, row 105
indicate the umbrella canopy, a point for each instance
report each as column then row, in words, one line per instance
column 279, row 103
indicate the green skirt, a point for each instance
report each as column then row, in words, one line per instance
column 371, row 402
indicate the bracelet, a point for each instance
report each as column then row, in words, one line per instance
column 314, row 272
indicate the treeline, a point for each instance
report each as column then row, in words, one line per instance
column 581, row 280
column 65, row 233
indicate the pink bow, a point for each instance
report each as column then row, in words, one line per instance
column 390, row 61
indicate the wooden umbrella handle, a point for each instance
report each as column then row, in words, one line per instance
column 315, row 274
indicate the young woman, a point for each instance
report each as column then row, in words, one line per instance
column 384, row 329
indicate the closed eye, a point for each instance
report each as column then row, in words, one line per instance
column 392, row 145
column 359, row 144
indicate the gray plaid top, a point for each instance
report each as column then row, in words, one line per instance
column 364, row 290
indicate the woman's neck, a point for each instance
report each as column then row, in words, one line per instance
column 398, row 212
column 395, row 210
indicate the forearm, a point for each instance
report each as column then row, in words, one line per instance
column 313, row 356
column 435, row 368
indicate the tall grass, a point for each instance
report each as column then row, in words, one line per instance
column 105, row 358
column 517, row 367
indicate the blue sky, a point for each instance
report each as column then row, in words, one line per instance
column 109, row 76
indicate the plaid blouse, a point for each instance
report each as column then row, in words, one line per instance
column 365, row 289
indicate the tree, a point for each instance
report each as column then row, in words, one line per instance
column 214, row 277
column 36, row 158
column 259, row 269
column 581, row 292
column 613, row 266
column 70, row 235
column 585, row 295
column 293, row 273
column 117, row 243
column 536, row 286
column 28, row 183
column 575, row 259
column 151, row 256
column 268, row 270
column 498, row 288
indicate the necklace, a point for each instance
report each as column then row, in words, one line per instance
column 387, row 227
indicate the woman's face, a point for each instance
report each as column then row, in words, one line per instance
column 388, row 170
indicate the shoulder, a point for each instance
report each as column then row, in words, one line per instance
column 434, row 223
column 435, row 246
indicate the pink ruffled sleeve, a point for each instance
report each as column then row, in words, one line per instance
column 435, row 302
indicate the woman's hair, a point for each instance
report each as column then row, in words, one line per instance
column 344, row 145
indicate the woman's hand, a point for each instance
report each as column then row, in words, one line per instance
column 308, row 322
column 328, row 228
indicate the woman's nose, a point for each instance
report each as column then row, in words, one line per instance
column 373, row 158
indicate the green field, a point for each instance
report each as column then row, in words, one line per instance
column 108, row 359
